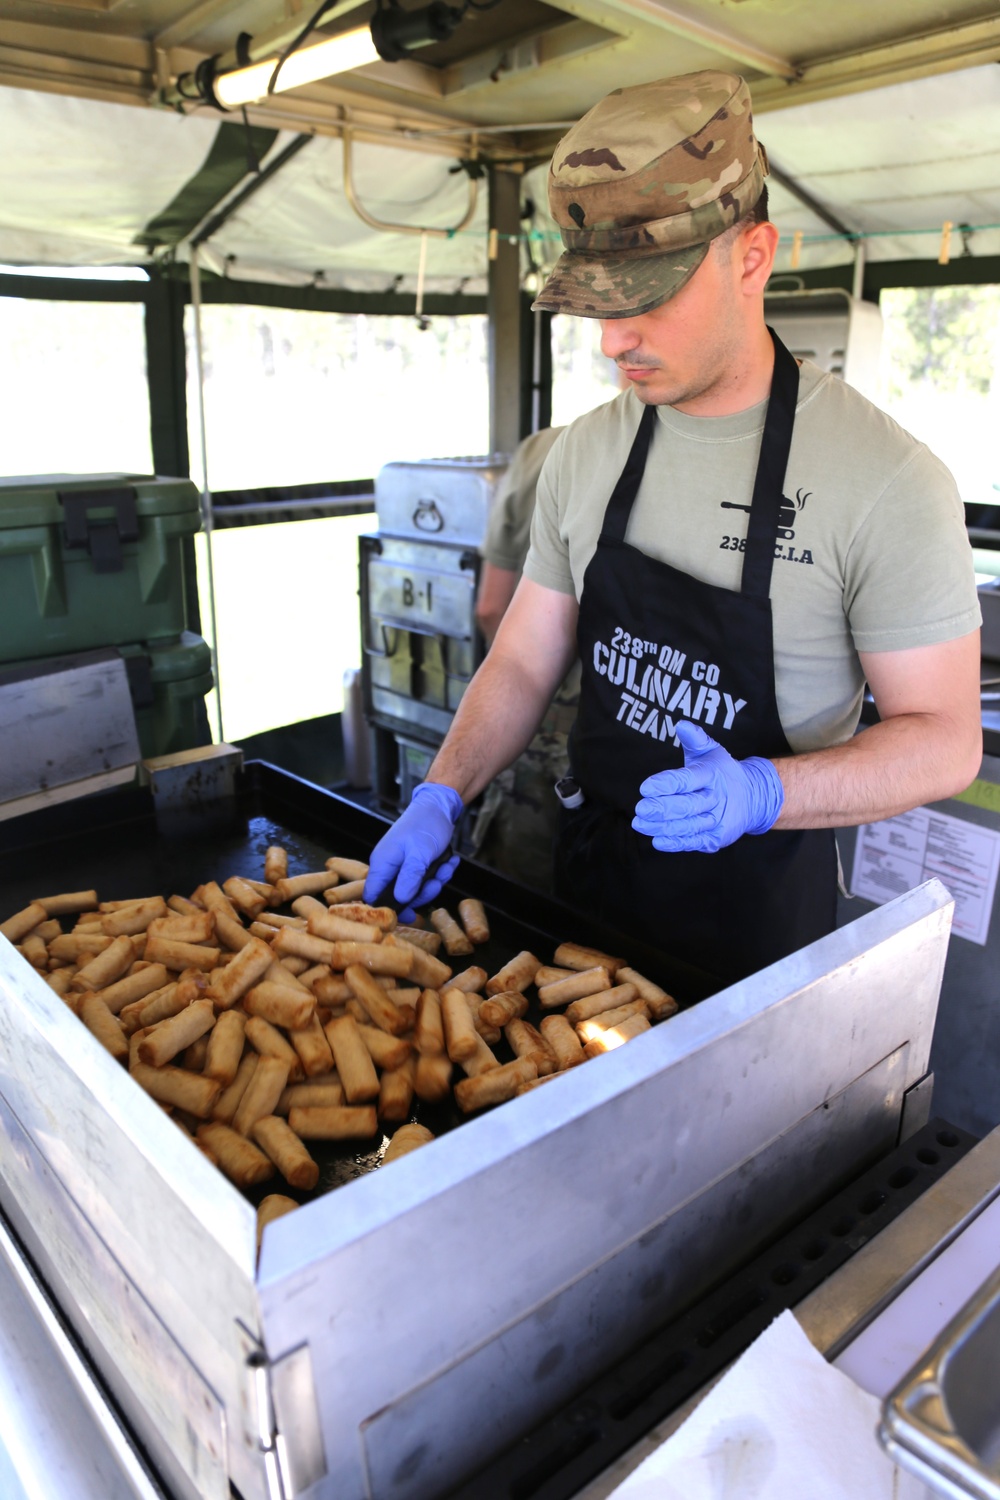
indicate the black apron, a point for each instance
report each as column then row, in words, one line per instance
column 658, row 646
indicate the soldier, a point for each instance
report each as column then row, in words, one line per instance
column 723, row 663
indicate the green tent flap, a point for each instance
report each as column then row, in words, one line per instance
column 232, row 156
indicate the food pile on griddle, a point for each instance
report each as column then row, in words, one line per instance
column 260, row 1029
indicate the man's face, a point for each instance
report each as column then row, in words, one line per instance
column 685, row 351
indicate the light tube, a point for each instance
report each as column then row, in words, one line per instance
column 338, row 54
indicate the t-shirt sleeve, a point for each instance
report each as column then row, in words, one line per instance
column 509, row 526
column 909, row 575
column 507, row 531
column 547, row 561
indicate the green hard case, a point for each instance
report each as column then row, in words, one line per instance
column 92, row 560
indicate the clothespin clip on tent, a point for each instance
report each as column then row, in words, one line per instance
column 944, row 254
column 796, row 250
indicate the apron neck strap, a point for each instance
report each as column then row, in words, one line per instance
column 619, row 507
column 775, row 445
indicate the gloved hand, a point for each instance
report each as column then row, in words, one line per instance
column 712, row 801
column 413, row 845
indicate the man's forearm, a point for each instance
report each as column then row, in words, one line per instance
column 495, row 721
column 506, row 700
column 887, row 769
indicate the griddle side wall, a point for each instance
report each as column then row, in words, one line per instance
column 432, row 1264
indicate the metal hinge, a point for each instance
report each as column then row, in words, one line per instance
column 289, row 1434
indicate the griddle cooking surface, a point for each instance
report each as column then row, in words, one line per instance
column 118, row 844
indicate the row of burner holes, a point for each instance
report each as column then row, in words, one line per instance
column 786, row 1273
column 530, row 1483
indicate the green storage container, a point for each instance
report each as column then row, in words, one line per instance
column 168, row 683
column 92, row 560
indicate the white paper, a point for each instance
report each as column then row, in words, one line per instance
column 899, row 853
column 782, row 1424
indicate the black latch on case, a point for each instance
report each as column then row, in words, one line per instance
column 102, row 539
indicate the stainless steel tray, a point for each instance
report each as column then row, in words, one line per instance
column 404, row 1327
column 942, row 1422
column 439, row 499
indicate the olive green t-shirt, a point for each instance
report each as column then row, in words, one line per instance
column 872, row 553
column 509, row 527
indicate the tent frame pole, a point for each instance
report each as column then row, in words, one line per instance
column 207, row 512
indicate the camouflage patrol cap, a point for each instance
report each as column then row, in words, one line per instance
column 640, row 186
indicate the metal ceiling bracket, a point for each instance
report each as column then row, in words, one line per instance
column 382, row 225
column 685, row 20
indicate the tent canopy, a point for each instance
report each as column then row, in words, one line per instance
column 881, row 122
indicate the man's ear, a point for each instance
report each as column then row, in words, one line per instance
column 756, row 249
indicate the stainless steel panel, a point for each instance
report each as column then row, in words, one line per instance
column 420, row 640
column 434, row 722
column 422, row 598
column 836, row 1312
column 293, row 1392
column 59, row 1438
column 498, row 1221
column 149, row 1250
column 439, row 499
column 852, row 1297
column 609, row 1309
column 181, row 1417
column 62, row 722
column 943, row 1420
column 191, row 778
column 917, row 1107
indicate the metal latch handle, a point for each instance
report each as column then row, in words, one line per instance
column 430, row 635
column 102, row 538
column 387, row 650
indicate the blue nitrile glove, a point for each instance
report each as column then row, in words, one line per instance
column 712, row 802
column 414, row 845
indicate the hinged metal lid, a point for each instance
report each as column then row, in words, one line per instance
column 440, row 499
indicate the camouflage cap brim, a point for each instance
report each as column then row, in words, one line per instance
column 617, row 286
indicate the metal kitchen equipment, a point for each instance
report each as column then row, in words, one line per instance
column 420, row 642
column 67, row 725
column 587, row 1448
column 942, row 1421
column 401, row 1328
column 838, row 332
column 73, row 725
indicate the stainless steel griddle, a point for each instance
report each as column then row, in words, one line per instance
column 402, row 1328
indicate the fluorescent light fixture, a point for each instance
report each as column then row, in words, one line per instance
column 394, row 34
column 338, row 54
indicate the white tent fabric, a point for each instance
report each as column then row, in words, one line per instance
column 85, row 177
column 81, row 178
column 907, row 157
column 301, row 223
